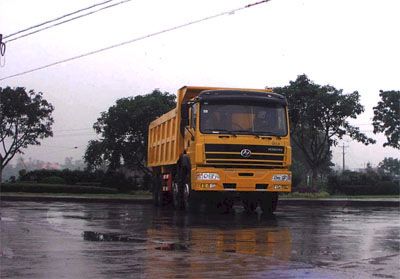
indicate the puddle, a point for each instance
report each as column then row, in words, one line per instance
column 229, row 251
column 6, row 219
column 7, row 253
column 172, row 247
column 95, row 236
column 76, row 217
column 110, row 237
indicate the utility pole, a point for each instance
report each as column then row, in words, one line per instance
column 2, row 46
column 343, row 154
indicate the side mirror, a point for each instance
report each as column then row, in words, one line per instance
column 185, row 111
column 184, row 117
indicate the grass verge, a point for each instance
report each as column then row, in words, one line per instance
column 132, row 196
column 326, row 195
column 147, row 195
column 55, row 188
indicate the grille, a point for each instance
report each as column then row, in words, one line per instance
column 262, row 156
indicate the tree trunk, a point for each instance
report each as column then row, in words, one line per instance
column 1, row 170
column 314, row 177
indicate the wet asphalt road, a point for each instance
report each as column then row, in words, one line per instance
column 76, row 240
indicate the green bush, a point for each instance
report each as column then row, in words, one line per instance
column 111, row 179
column 388, row 188
column 55, row 188
column 53, row 180
column 70, row 177
column 118, row 180
column 356, row 183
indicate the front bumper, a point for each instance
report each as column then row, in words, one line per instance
column 244, row 180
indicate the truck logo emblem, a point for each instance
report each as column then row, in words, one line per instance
column 245, row 153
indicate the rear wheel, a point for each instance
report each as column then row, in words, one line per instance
column 161, row 198
column 156, row 191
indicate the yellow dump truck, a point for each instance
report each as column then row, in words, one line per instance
column 220, row 145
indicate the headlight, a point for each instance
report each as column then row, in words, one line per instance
column 207, row 176
column 281, row 177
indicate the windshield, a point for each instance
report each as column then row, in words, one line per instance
column 243, row 119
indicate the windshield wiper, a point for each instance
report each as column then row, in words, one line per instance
column 261, row 134
column 258, row 134
column 219, row 131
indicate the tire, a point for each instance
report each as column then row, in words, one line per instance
column 176, row 195
column 275, row 198
column 182, row 183
column 269, row 202
column 190, row 199
column 156, row 191
column 161, row 198
column 249, row 206
column 225, row 206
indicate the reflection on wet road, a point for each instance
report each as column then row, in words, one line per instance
column 65, row 240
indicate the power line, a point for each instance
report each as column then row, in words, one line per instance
column 74, row 135
column 59, row 147
column 65, row 21
column 230, row 12
column 58, row 18
column 68, row 130
column 2, row 46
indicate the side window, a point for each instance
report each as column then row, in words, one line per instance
column 193, row 116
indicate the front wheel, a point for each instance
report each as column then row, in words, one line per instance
column 190, row 199
column 249, row 206
column 269, row 202
column 156, row 191
column 225, row 206
column 176, row 195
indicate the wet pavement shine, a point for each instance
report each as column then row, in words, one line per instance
column 101, row 240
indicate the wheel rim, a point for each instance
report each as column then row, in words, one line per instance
column 186, row 193
column 175, row 192
column 249, row 206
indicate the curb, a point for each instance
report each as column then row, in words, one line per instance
column 303, row 202
column 340, row 202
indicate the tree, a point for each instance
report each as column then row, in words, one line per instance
column 124, row 130
column 390, row 166
column 95, row 155
column 318, row 116
column 71, row 164
column 25, row 119
column 387, row 117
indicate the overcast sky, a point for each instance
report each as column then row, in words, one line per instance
column 352, row 45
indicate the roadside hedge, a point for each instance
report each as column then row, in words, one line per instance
column 356, row 183
column 381, row 188
column 111, row 179
column 71, row 177
column 53, row 180
column 55, row 188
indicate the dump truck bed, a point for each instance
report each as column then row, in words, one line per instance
column 163, row 140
